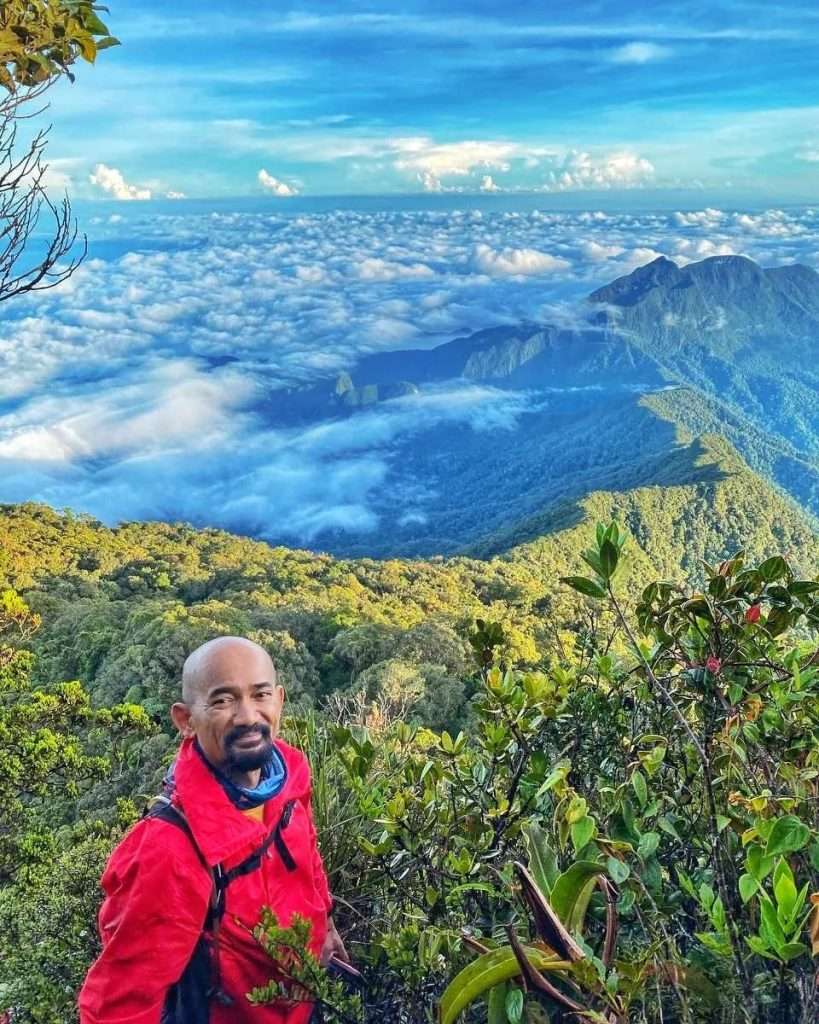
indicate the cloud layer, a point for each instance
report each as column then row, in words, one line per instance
column 145, row 385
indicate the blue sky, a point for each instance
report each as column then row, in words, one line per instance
column 235, row 99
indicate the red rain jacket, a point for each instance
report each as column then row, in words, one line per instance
column 157, row 894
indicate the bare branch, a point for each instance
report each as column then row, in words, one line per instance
column 32, row 257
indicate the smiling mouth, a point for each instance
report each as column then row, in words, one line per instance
column 251, row 740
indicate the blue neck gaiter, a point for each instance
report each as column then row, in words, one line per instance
column 272, row 779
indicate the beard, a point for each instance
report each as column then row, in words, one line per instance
column 248, row 760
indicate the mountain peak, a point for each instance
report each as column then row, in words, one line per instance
column 628, row 290
column 723, row 275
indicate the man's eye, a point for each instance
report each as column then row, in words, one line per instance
column 221, row 702
column 264, row 694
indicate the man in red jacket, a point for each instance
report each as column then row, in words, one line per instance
column 185, row 887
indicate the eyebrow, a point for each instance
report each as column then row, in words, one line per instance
column 231, row 688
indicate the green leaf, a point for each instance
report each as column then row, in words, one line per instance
column 584, row 586
column 473, row 887
column 758, row 865
column 638, row 783
column 542, row 859
column 94, row 25
column 583, row 831
column 556, row 775
column 572, row 891
column 609, row 556
column 777, row 621
column 592, row 559
column 649, row 842
column 618, row 871
column 88, row 48
column 748, row 885
column 801, row 588
column 792, row 950
column 785, row 892
column 788, row 835
column 773, row 568
column 514, row 1005
column 769, row 927
column 490, row 969
column 759, row 946
column 496, row 1013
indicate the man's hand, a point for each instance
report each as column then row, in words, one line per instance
column 333, row 945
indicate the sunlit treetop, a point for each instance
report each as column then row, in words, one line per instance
column 41, row 39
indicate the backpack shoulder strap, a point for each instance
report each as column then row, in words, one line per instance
column 274, row 838
column 165, row 810
column 161, row 807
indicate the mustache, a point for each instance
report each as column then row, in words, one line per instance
column 238, row 732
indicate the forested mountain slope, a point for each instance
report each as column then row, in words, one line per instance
column 746, row 334
column 122, row 607
column 653, row 359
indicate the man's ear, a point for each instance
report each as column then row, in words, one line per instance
column 181, row 718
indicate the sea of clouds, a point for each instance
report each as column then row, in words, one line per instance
column 142, row 386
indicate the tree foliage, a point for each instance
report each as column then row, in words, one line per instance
column 41, row 39
column 622, row 820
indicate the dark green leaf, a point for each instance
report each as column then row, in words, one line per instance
column 609, row 556
column 584, row 586
column 800, row 588
column 773, row 569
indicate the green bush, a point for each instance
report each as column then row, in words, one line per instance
column 629, row 834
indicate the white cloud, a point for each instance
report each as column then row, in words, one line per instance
column 488, row 185
column 110, row 180
column 173, row 403
column 580, row 170
column 58, row 176
column 274, row 186
column 770, row 223
column 175, row 195
column 639, row 257
column 429, row 182
column 707, row 218
column 690, row 250
column 431, row 161
column 512, row 262
column 376, row 269
column 640, row 53
column 598, row 253
column 810, row 155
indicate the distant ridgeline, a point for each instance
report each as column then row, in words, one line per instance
column 658, row 358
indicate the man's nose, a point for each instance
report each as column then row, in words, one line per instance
column 245, row 712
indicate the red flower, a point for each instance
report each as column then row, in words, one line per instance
column 713, row 665
column 753, row 613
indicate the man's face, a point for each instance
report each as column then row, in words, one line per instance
column 237, row 708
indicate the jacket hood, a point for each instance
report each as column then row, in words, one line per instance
column 221, row 830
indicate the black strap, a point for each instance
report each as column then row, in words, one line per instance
column 165, row 810
column 162, row 808
column 253, row 861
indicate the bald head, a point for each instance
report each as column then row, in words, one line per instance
column 217, row 658
column 232, row 703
